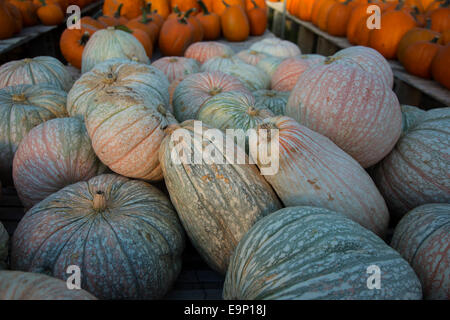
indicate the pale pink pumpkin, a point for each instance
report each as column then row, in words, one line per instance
column 251, row 57
column 352, row 107
column 175, row 67
column 287, row 73
column 202, row 51
column 313, row 171
column 53, row 155
column 197, row 88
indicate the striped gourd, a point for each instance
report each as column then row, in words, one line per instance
column 269, row 64
column 219, row 63
column 54, row 154
column 353, row 108
column 197, row 88
column 276, row 47
column 118, row 75
column 310, row 253
column 313, row 171
column 124, row 235
column 417, row 170
column 202, row 51
column 251, row 57
column 273, row 100
column 3, row 246
column 17, row 285
column 111, row 43
column 175, row 67
column 39, row 70
column 217, row 203
column 422, row 237
column 232, row 110
column 23, row 107
column 126, row 134
column 251, row 77
column 370, row 60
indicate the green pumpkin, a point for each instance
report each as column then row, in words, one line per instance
column 273, row 100
column 310, row 253
column 3, row 246
column 269, row 64
column 251, row 77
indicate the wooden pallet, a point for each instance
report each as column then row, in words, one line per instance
column 410, row 89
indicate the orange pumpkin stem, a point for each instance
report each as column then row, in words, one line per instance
column 119, row 9
column 99, row 201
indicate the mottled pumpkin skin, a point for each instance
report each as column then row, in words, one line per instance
column 197, row 88
column 288, row 72
column 217, row 203
column 118, row 75
column 23, row 107
column 251, row 77
column 219, row 63
column 353, row 108
column 369, row 60
column 309, row 253
column 40, row 70
column 276, row 47
column 175, row 67
column 4, row 238
column 416, row 172
column 232, row 110
column 53, row 155
column 17, row 285
column 108, row 44
column 410, row 117
column 130, row 250
column 269, row 64
column 313, row 171
column 202, row 51
column 251, row 57
column 126, row 134
column 273, row 100
column 422, row 237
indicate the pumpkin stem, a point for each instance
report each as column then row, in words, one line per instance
column 43, row 3
column 215, row 91
column 84, row 38
column 226, row 4
column 117, row 13
column 400, row 5
column 252, row 111
column 145, row 19
column 329, row 60
column 270, row 94
column 99, row 201
column 177, row 11
column 171, row 128
column 435, row 39
column 428, row 23
column 123, row 28
column 254, row 4
column 189, row 12
column 18, row 97
column 203, row 7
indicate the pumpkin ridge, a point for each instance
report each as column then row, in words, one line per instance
column 106, row 119
column 425, row 239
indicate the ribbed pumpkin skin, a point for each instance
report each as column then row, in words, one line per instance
column 251, row 77
column 287, row 73
column 410, row 117
column 54, row 154
column 126, row 135
column 232, row 110
column 3, row 246
column 273, row 100
column 17, row 285
column 305, row 253
column 416, row 171
column 353, row 108
column 369, row 60
column 422, row 237
column 313, row 171
column 217, row 204
column 108, row 44
column 269, row 64
column 37, row 104
column 175, row 67
column 276, row 47
column 130, row 250
column 219, row 63
column 40, row 70
column 118, row 75
column 202, row 51
column 197, row 88
column 251, row 57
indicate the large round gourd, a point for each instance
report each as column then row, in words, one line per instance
column 422, row 237
column 251, row 77
column 175, row 67
column 217, row 203
column 18, row 285
column 203, row 51
column 122, row 233
column 269, row 64
column 23, row 107
column 110, row 43
column 353, row 108
column 4, row 239
column 40, row 70
column 126, row 134
column 288, row 72
column 276, row 47
column 118, row 75
column 313, row 171
column 306, row 253
column 273, row 100
column 251, row 57
column 219, row 63
column 53, row 155
column 197, row 88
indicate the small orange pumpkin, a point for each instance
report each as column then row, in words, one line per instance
column 257, row 17
column 27, row 10
column 50, row 14
column 419, row 56
column 440, row 67
column 175, row 37
column 210, row 22
column 234, row 22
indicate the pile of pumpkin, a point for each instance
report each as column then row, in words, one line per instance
column 17, row 14
column 86, row 158
column 172, row 25
column 413, row 31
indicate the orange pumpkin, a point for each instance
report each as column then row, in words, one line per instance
column 359, row 12
column 440, row 18
column 90, row 23
column 198, row 32
column 394, row 24
column 185, row 5
column 250, row 4
column 210, row 22
column 50, row 14
column 419, row 56
column 412, row 36
column 130, row 10
column 72, row 43
column 257, row 17
column 175, row 37
column 440, row 67
column 445, row 38
column 234, row 22
column 162, row 7
column 338, row 17
column 219, row 6
column 316, row 9
column 144, row 38
column 28, row 12
column 16, row 15
column 362, row 33
column 145, row 23
column 303, row 9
